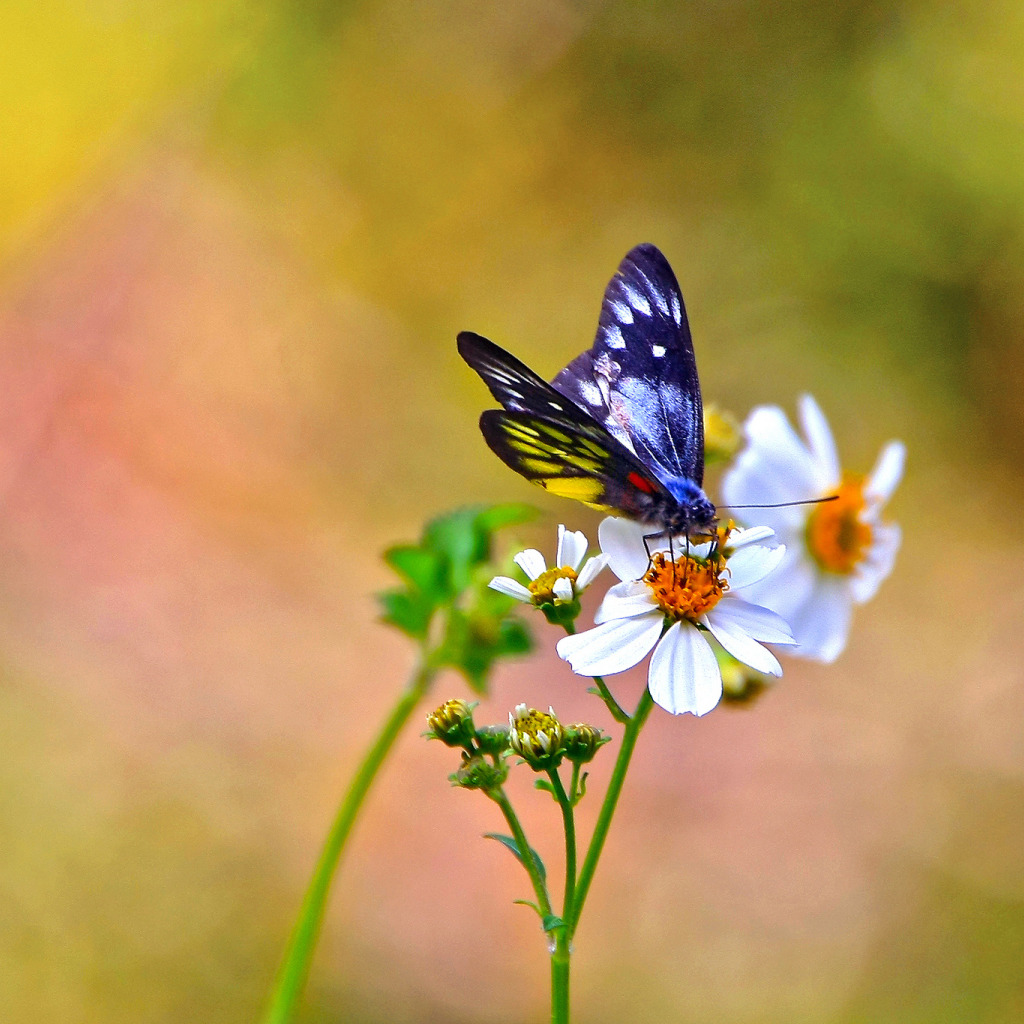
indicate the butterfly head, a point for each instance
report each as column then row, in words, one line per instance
column 693, row 512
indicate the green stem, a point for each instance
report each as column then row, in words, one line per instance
column 532, row 869
column 561, row 953
column 569, row 824
column 560, row 979
column 294, row 970
column 604, row 818
column 603, row 692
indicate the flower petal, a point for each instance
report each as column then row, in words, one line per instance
column 611, row 647
column 755, row 620
column 877, row 563
column 741, row 645
column 822, row 624
column 510, row 587
column 531, row 561
column 562, row 589
column 775, row 466
column 684, row 675
column 622, row 541
column 885, row 477
column 572, row 548
column 822, row 445
column 740, row 538
column 590, row 571
column 624, row 601
column 753, row 563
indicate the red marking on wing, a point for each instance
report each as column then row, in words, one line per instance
column 641, row 482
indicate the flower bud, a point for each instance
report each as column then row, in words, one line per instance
column 582, row 742
column 479, row 773
column 721, row 435
column 452, row 723
column 492, row 739
column 537, row 737
column 740, row 683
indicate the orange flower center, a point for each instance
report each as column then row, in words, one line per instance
column 542, row 589
column 837, row 536
column 686, row 588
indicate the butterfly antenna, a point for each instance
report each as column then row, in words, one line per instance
column 787, row 504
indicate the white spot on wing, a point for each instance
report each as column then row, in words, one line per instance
column 637, row 299
column 657, row 351
column 677, row 314
column 622, row 311
column 613, row 337
column 555, row 405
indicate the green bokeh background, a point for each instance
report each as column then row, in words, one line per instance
column 236, row 243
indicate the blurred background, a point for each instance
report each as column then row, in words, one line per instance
column 236, row 243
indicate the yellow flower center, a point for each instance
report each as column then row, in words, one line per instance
column 686, row 588
column 542, row 589
column 837, row 536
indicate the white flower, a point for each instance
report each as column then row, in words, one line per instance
column 561, row 584
column 692, row 596
column 837, row 552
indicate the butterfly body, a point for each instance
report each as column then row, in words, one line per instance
column 621, row 427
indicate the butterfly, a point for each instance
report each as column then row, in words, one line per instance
column 621, row 428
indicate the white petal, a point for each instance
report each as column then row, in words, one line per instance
column 625, row 600
column 622, row 541
column 877, row 563
column 591, row 571
column 562, row 589
column 752, row 564
column 888, row 471
column 572, row 548
column 821, row 626
column 775, row 466
column 531, row 561
column 612, row 647
column 823, row 447
column 684, row 675
column 742, row 646
column 755, row 620
column 752, row 535
column 510, row 587
column 786, row 589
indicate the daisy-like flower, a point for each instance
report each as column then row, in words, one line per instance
column 837, row 552
column 670, row 607
column 561, row 584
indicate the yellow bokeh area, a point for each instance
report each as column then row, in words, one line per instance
column 237, row 240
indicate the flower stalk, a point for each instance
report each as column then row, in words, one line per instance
column 294, row 970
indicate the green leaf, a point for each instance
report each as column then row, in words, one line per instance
column 455, row 538
column 497, row 517
column 410, row 612
column 528, row 903
column 511, row 844
column 552, row 921
column 422, row 568
column 513, row 638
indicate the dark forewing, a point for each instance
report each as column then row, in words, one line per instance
column 575, row 457
column 513, row 383
column 640, row 377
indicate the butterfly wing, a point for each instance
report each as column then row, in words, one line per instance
column 575, row 457
column 552, row 442
column 640, row 377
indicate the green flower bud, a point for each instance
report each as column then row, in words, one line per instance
column 492, row 739
column 537, row 737
column 452, row 723
column 479, row 773
column 722, row 435
column 582, row 742
column 740, row 683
